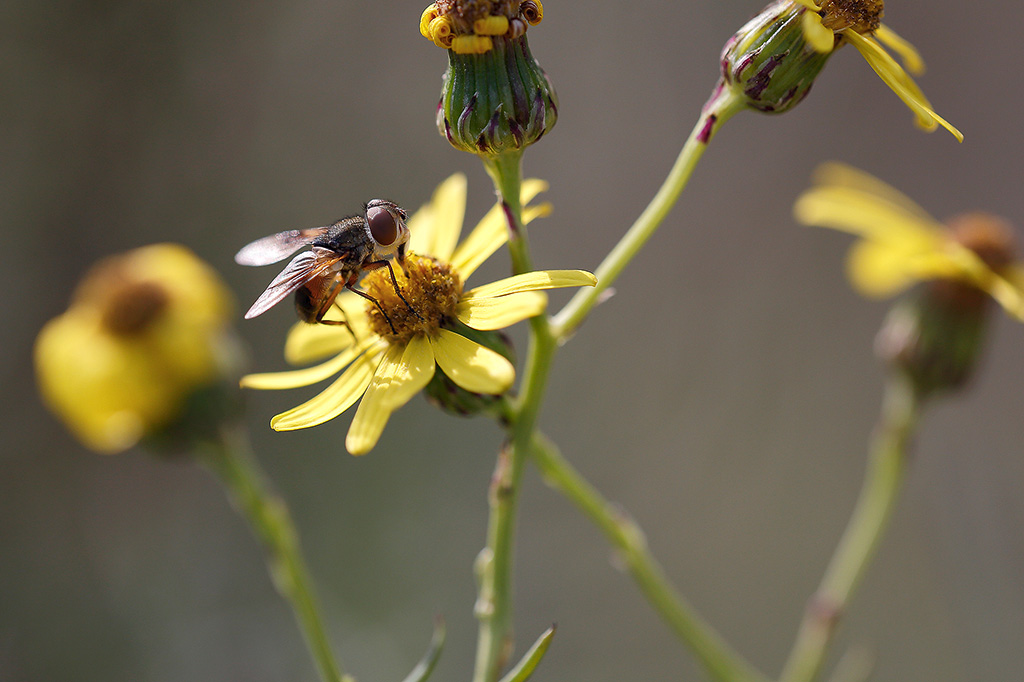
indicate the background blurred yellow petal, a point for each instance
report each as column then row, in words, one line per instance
column 879, row 270
column 472, row 366
column 837, row 174
column 864, row 214
column 1008, row 289
column 333, row 400
column 108, row 392
column 883, row 268
column 497, row 313
column 434, row 229
column 532, row 281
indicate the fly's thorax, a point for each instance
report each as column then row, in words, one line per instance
column 432, row 289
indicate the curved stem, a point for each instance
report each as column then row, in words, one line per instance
column 494, row 567
column 882, row 483
column 230, row 458
column 720, row 108
column 714, row 653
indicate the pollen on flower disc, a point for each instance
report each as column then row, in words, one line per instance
column 432, row 290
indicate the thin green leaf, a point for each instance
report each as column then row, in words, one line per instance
column 426, row 665
column 525, row 667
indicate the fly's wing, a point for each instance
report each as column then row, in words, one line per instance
column 277, row 246
column 302, row 269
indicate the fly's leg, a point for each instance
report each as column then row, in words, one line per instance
column 342, row 322
column 376, row 303
column 332, row 301
column 398, row 291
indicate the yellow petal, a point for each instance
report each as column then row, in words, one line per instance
column 1008, row 289
column 491, row 232
column 334, row 399
column 413, row 371
column 867, row 215
column 808, row 4
column 308, row 342
column 302, row 377
column 532, row 281
column 879, row 270
column 836, row 174
column 501, row 312
column 403, row 371
column 109, row 392
column 817, row 36
column 470, row 365
column 907, row 52
column 897, row 79
column 434, row 229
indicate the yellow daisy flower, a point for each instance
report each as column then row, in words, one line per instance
column 145, row 330
column 388, row 368
column 901, row 244
column 830, row 23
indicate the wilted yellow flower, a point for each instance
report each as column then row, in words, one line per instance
column 830, row 23
column 387, row 368
column 144, row 330
column 901, row 244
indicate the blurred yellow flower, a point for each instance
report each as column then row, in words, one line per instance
column 144, row 330
column 388, row 368
column 901, row 244
column 830, row 23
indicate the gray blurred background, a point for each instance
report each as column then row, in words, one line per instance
column 724, row 396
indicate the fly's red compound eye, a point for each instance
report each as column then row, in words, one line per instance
column 382, row 225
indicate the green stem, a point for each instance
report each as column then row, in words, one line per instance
column 714, row 653
column 494, row 568
column 717, row 111
column 882, row 483
column 230, row 458
column 506, row 172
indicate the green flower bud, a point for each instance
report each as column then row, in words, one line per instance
column 769, row 62
column 495, row 98
column 450, row 397
column 935, row 336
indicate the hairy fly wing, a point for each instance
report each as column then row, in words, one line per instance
column 277, row 246
column 300, row 270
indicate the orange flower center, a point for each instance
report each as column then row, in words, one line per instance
column 431, row 291
column 989, row 236
column 862, row 16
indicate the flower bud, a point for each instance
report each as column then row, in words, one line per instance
column 145, row 334
column 935, row 336
column 768, row 63
column 495, row 98
column 452, row 398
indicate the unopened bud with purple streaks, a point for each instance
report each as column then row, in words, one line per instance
column 768, row 63
column 495, row 98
